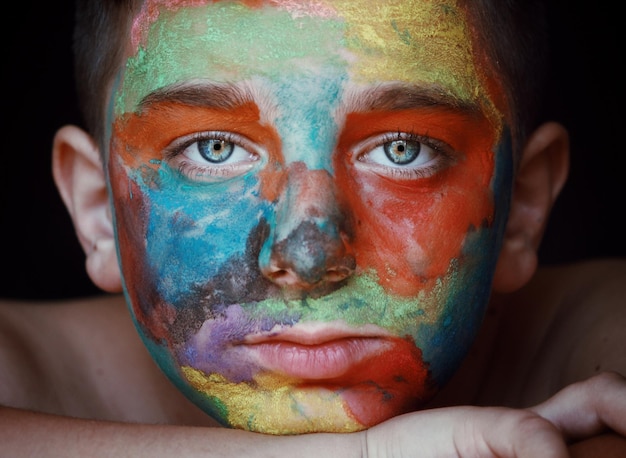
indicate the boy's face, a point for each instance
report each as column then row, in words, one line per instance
column 308, row 198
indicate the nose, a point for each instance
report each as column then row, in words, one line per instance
column 307, row 247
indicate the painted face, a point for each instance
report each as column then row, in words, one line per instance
column 308, row 200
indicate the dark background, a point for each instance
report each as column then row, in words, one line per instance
column 41, row 258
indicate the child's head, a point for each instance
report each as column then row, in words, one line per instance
column 309, row 199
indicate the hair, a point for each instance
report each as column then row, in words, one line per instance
column 515, row 36
column 514, row 33
column 101, row 32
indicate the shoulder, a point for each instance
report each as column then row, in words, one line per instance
column 590, row 319
column 576, row 317
column 47, row 344
column 590, row 277
column 84, row 358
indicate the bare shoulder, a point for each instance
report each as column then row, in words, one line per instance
column 590, row 321
column 566, row 325
column 83, row 358
column 605, row 277
column 45, row 346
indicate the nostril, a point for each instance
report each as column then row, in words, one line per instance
column 310, row 278
column 338, row 274
column 311, row 256
column 281, row 277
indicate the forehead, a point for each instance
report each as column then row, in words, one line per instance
column 426, row 42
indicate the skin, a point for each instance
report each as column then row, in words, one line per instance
column 306, row 283
column 69, row 388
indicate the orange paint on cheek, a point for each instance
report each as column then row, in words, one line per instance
column 456, row 129
column 273, row 180
column 410, row 230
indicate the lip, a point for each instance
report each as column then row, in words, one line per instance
column 316, row 352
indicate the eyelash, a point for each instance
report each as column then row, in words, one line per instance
column 174, row 154
column 181, row 144
column 446, row 156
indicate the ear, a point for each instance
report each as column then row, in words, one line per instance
column 79, row 176
column 540, row 177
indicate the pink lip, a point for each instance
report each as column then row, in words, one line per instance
column 315, row 354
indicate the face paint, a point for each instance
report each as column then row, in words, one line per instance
column 308, row 204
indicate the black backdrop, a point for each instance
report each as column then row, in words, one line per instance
column 41, row 259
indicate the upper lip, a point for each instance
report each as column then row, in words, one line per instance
column 315, row 333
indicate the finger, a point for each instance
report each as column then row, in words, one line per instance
column 588, row 408
column 514, row 433
column 466, row 432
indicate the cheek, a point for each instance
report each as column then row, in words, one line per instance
column 130, row 215
column 174, row 235
column 411, row 233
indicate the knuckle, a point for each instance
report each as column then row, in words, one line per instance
column 603, row 381
column 529, row 423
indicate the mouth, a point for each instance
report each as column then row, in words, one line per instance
column 316, row 352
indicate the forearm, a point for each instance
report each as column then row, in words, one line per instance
column 581, row 414
column 24, row 433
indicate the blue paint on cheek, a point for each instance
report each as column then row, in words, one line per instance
column 445, row 343
column 194, row 229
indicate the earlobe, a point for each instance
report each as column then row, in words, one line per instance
column 79, row 176
column 541, row 175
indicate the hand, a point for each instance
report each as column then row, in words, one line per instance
column 589, row 409
column 466, row 432
column 580, row 412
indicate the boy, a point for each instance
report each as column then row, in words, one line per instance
column 308, row 204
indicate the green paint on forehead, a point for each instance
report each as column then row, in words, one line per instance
column 415, row 41
column 226, row 42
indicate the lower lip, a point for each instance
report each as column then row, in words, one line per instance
column 316, row 362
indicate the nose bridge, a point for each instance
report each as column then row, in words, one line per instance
column 307, row 245
column 309, row 198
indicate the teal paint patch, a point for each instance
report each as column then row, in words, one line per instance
column 306, row 121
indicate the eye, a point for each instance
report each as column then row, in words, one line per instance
column 213, row 150
column 216, row 148
column 404, row 156
column 212, row 156
column 402, row 152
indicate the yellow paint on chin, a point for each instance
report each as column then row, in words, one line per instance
column 275, row 407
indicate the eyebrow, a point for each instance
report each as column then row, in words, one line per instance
column 385, row 96
column 402, row 96
column 200, row 94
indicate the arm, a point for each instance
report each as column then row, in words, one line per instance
column 457, row 431
column 454, row 431
column 25, row 433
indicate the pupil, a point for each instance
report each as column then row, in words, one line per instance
column 402, row 152
column 215, row 150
